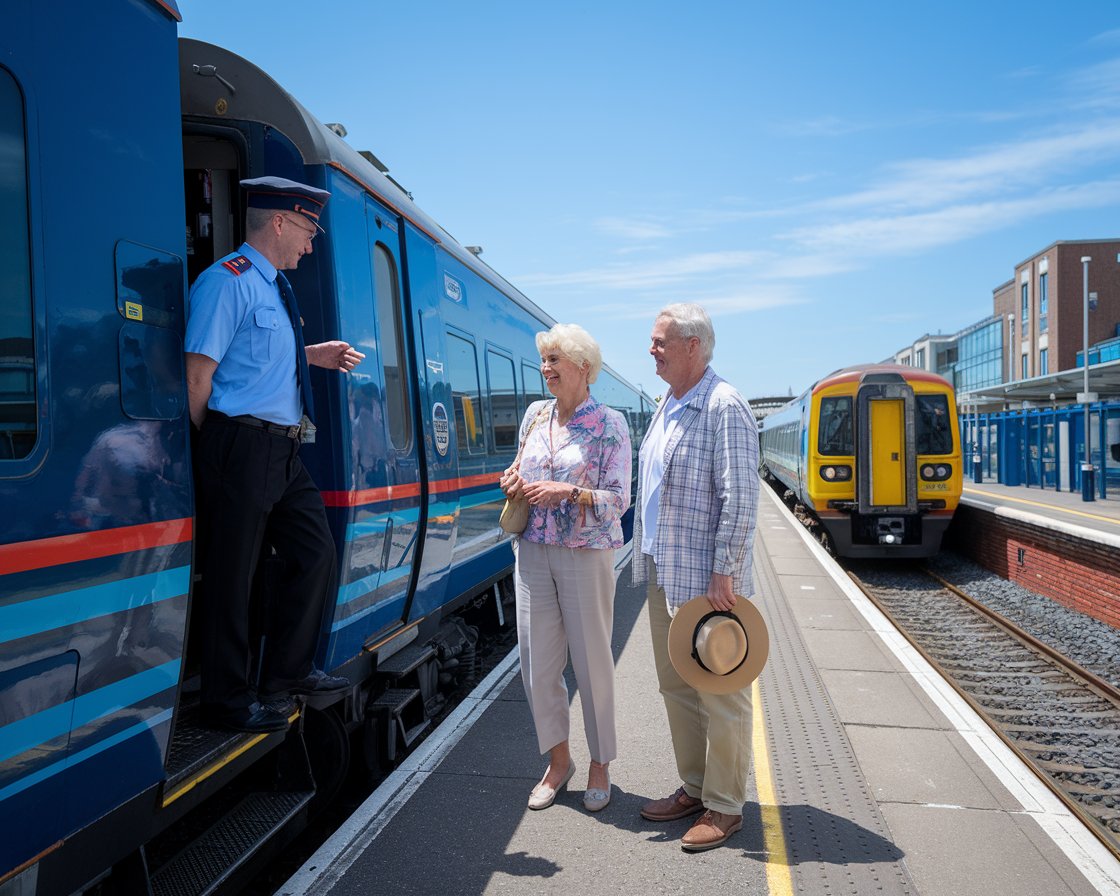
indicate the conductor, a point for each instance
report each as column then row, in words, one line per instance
column 250, row 397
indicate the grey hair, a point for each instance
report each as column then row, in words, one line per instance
column 257, row 219
column 575, row 344
column 691, row 320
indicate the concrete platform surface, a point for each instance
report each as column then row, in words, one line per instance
column 870, row 776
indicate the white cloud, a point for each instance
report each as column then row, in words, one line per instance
column 632, row 229
column 906, row 233
column 663, row 272
column 924, row 183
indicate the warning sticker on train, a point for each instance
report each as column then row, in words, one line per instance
column 440, row 428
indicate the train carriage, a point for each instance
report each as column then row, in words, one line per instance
column 873, row 452
column 121, row 152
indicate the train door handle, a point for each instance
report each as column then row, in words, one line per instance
column 894, row 456
column 387, row 546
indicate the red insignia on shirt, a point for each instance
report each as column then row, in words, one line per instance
column 237, row 265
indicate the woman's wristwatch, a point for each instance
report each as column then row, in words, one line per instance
column 579, row 496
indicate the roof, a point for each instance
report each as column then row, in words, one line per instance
column 1062, row 387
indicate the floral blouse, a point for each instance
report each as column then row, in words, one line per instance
column 593, row 452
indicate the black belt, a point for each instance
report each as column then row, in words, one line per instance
column 292, row 432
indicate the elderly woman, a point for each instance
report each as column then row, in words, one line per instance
column 574, row 468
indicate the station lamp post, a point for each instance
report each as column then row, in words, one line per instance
column 1012, row 355
column 1088, row 492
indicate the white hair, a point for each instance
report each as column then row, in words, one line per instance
column 575, row 344
column 690, row 320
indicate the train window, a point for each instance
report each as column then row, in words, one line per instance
column 533, row 382
column 386, row 288
column 932, row 433
column 462, row 370
column 834, row 433
column 18, row 426
column 610, row 391
column 504, row 419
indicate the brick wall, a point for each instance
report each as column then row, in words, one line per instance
column 1080, row 574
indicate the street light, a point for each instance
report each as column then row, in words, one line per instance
column 1088, row 492
column 1012, row 355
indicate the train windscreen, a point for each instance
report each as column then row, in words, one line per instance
column 933, row 434
column 835, row 432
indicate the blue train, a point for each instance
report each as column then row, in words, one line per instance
column 121, row 151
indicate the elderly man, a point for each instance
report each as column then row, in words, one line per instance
column 693, row 530
column 250, row 396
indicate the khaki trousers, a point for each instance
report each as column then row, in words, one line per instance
column 565, row 602
column 711, row 732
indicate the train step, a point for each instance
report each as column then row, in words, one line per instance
column 405, row 661
column 212, row 859
column 404, row 710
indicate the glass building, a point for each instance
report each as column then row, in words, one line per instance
column 979, row 361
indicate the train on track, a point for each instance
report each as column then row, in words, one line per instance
column 873, row 453
column 121, row 152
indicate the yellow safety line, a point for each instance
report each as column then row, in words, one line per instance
column 778, row 878
column 190, row 784
column 997, row 496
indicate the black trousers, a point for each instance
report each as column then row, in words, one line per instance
column 254, row 490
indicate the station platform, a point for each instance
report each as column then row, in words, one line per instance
column 870, row 776
column 1089, row 519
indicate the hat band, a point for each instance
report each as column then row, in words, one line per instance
column 696, row 632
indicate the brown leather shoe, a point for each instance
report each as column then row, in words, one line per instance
column 710, row 830
column 679, row 805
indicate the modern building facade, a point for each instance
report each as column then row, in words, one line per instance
column 1042, row 306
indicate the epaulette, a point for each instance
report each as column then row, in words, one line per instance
column 237, row 265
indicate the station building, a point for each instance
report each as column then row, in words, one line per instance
column 1019, row 373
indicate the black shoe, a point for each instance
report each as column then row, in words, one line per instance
column 281, row 704
column 254, row 718
column 319, row 682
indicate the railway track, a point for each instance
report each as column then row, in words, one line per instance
column 1062, row 719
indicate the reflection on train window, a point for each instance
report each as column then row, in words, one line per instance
column 462, row 370
column 534, row 383
column 933, row 435
column 18, row 427
column 610, row 391
column 504, row 419
column 835, row 431
column 391, row 347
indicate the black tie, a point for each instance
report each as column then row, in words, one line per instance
column 303, row 375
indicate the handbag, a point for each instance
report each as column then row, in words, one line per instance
column 515, row 513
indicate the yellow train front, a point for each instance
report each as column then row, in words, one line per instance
column 873, row 453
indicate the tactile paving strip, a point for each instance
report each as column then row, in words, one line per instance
column 836, row 839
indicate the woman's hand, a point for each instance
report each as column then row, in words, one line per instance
column 511, row 482
column 546, row 493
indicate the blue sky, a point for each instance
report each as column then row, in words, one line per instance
column 830, row 180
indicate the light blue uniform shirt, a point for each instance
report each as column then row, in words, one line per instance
column 240, row 321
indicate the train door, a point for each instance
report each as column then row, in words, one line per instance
column 387, row 446
column 888, row 452
column 885, row 452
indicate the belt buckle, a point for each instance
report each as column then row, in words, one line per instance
column 305, row 432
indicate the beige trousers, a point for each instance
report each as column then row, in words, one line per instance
column 711, row 732
column 565, row 603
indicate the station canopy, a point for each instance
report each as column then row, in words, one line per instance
column 1051, row 389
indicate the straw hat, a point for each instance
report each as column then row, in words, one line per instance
column 718, row 651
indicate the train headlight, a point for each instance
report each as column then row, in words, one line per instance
column 936, row 472
column 836, row 473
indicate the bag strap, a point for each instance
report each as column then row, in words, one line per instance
column 536, row 420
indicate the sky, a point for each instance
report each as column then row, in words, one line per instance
column 829, row 180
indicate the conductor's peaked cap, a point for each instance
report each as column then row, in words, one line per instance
column 282, row 194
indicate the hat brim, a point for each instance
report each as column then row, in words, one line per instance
column 681, row 631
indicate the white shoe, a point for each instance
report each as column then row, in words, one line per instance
column 594, row 799
column 544, row 796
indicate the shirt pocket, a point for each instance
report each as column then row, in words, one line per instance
column 266, row 324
